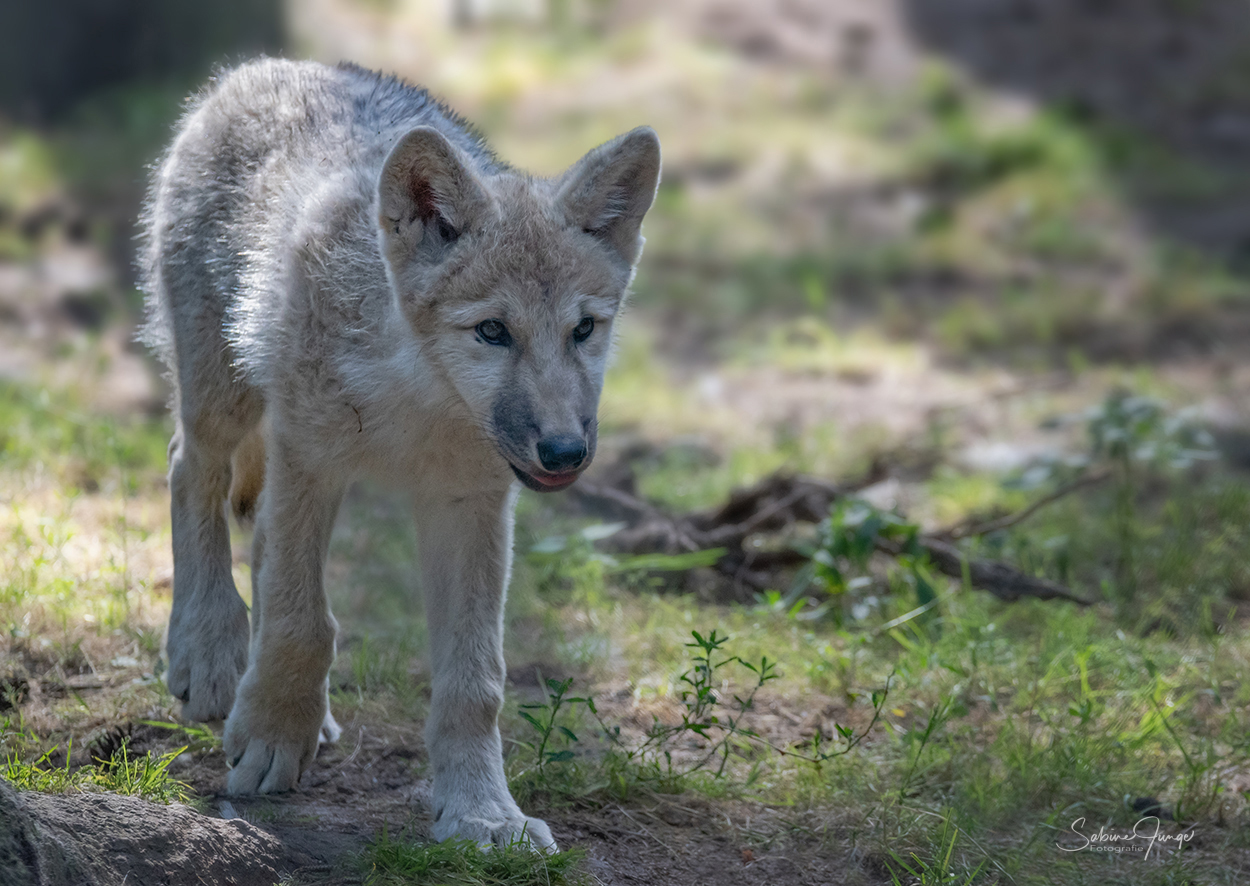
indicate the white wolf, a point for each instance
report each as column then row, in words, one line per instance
column 342, row 279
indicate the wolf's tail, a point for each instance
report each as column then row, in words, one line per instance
column 248, row 476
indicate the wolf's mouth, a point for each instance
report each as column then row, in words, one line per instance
column 545, row 482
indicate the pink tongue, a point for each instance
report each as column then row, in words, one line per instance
column 551, row 481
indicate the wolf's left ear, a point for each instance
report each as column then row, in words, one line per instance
column 608, row 191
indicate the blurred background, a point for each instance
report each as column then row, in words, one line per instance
column 1036, row 186
column 961, row 249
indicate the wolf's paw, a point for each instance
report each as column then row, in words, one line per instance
column 271, row 737
column 207, row 656
column 493, row 824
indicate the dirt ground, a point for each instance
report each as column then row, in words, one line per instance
column 367, row 784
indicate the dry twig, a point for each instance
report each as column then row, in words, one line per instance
column 781, row 500
column 1092, row 478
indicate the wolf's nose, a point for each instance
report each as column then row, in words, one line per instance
column 560, row 454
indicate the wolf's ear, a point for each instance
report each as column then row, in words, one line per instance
column 427, row 197
column 607, row 192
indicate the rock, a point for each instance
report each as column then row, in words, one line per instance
column 105, row 840
column 26, row 858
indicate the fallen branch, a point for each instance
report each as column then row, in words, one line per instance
column 780, row 501
column 1003, row 581
column 776, row 502
column 1091, row 478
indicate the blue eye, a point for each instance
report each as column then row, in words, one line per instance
column 493, row 332
column 582, row 330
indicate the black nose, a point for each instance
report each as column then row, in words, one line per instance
column 559, row 454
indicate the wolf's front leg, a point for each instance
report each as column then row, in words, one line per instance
column 466, row 556
column 272, row 732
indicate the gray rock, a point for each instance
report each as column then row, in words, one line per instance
column 105, row 840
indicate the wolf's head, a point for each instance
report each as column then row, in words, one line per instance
column 511, row 284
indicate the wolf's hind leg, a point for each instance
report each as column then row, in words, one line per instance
column 280, row 710
column 330, row 729
column 208, row 631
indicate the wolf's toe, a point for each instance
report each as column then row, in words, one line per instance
column 267, row 743
column 210, row 696
column 249, row 768
column 284, row 770
column 330, row 729
column 178, row 678
column 264, row 769
column 532, row 833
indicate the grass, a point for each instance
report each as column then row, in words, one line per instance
column 56, row 434
column 146, row 776
column 945, row 869
column 1022, row 720
column 83, row 526
column 1006, row 723
column 1021, row 227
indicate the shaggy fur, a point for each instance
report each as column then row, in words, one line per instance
column 342, row 279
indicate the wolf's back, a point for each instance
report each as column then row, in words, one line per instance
column 247, row 155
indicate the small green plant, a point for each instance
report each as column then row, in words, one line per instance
column 938, row 717
column 848, row 738
column 661, row 761
column 545, row 723
column 1128, row 430
column 1198, row 788
column 38, row 777
column 1133, row 432
column 147, row 776
column 552, row 744
column 15, row 735
column 198, row 737
column 651, row 762
column 703, row 715
column 847, row 539
column 1131, row 439
column 391, row 862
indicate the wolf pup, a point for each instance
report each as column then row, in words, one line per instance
column 343, row 279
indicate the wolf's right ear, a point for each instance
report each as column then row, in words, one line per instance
column 427, row 197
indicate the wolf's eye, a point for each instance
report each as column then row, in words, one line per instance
column 493, row 332
column 582, row 330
